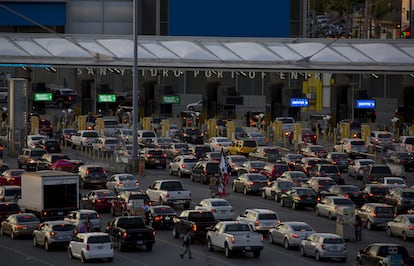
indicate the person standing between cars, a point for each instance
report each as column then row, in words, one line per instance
column 186, row 244
column 358, row 228
column 83, row 227
column 146, row 212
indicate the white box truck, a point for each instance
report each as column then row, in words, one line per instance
column 51, row 195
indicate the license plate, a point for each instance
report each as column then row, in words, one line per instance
column 248, row 248
column 157, row 161
column 60, row 213
column 167, row 218
column 140, row 242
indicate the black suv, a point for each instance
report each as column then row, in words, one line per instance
column 50, row 145
column 204, row 170
column 190, row 135
column 92, row 175
column 401, row 199
column 374, row 172
column 199, row 150
column 7, row 208
column 63, row 97
column 154, row 158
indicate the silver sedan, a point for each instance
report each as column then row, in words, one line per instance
column 402, row 225
column 290, row 234
column 182, row 165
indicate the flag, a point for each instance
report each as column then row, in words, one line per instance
column 224, row 167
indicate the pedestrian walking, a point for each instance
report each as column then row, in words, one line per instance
column 187, row 244
column 358, row 228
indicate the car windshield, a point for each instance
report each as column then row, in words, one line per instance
column 62, row 227
column 258, row 164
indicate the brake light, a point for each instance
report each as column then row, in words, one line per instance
column 86, row 140
column 256, row 223
column 213, row 210
column 294, row 235
column 299, row 198
column 251, row 183
column 137, row 183
column 233, row 239
column 410, row 227
column 158, row 218
column 120, row 184
column 53, row 233
column 182, row 165
column 149, row 155
column 323, row 246
column 167, row 195
column 125, row 235
column 19, row 226
column 194, row 227
column 374, row 214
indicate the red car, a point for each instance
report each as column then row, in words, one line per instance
column 99, row 200
column 11, row 177
column 307, row 136
column 66, row 165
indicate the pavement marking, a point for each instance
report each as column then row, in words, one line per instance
column 27, row 257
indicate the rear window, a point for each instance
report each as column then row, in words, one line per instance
column 127, row 178
column 37, row 153
column 192, row 160
column 258, row 178
column 384, row 210
column 409, row 140
column 383, row 190
column 193, row 131
column 407, row 194
column 148, row 135
column 111, row 141
column 203, row 149
column 90, row 134
column 385, row 136
column 99, row 239
column 258, row 164
column 271, row 151
column 156, row 152
column 200, row 216
column 301, row 227
column 268, row 216
column 138, row 196
column 63, row 227
column 381, row 170
column 27, row 218
column 329, row 169
column 350, row 189
column 96, row 170
column 106, row 193
column 91, row 215
column 52, row 143
column 358, row 142
column 111, row 123
column 248, row 143
column 163, row 210
column 343, row 202
column 181, row 146
column 333, row 241
column 285, row 185
column 58, row 157
column 220, row 203
column 12, row 192
column 9, row 207
column 306, row 192
column 212, row 167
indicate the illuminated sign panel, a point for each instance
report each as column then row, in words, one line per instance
column 43, row 97
column 107, row 98
column 365, row 104
column 299, row 102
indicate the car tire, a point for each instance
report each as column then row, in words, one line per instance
column 70, row 255
column 370, row 226
column 171, row 171
column 330, row 216
column 210, row 246
column 282, row 203
column 110, row 259
column 179, row 174
column 286, row 244
column 404, row 236
column 227, row 251
column 264, row 195
column 120, row 246
column 46, row 245
column 233, row 188
column 294, row 206
column 343, row 259
column 82, row 258
column 256, row 253
column 34, row 242
column 270, row 238
column 244, row 190
column 192, row 178
column 317, row 212
column 276, row 198
column 317, row 256
column 389, row 232
column 174, row 232
column 149, row 246
column 302, row 251
column 12, row 235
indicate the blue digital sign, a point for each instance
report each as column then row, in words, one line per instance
column 365, row 104
column 299, row 102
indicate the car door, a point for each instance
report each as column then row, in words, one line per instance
column 278, row 233
column 41, row 233
column 398, row 223
column 77, row 245
column 111, row 183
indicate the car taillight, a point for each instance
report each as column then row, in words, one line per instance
column 125, row 235
column 256, row 223
column 251, row 183
column 233, row 239
column 164, row 155
column 98, row 201
column 120, row 184
column 86, row 140
column 87, row 247
column 410, row 227
column 294, row 235
column 53, row 233
column 167, row 195
column 19, row 226
column 149, row 155
column 182, row 165
column 194, row 228
column 111, row 247
column 158, row 218
column 137, row 183
column 299, row 198
column 374, row 214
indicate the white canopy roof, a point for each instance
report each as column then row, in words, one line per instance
column 253, row 54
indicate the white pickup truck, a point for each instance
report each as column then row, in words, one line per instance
column 169, row 192
column 234, row 236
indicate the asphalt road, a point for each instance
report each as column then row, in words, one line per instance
column 166, row 249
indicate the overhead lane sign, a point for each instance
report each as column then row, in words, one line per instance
column 299, row 102
column 365, row 104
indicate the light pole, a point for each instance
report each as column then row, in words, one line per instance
column 135, row 88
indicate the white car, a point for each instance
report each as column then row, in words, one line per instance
column 261, row 220
column 219, row 143
column 32, row 140
column 4, row 94
column 324, row 245
column 123, row 182
column 393, row 182
column 221, row 208
column 182, row 165
column 197, row 106
column 328, row 205
column 79, row 216
column 86, row 246
column 290, row 234
column 402, row 225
